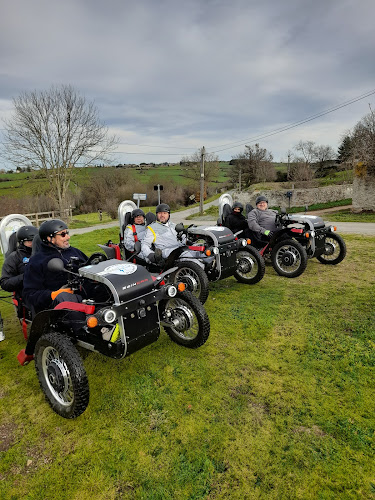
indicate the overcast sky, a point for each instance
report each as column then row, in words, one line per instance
column 170, row 76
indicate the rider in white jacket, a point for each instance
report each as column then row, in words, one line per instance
column 135, row 231
column 161, row 234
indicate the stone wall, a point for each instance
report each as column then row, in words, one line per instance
column 299, row 197
column 363, row 193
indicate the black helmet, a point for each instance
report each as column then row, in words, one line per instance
column 136, row 212
column 51, row 227
column 163, row 207
column 26, row 233
column 261, row 198
column 239, row 205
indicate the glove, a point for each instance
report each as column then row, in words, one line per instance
column 56, row 292
column 268, row 233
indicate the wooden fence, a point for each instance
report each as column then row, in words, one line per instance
column 37, row 218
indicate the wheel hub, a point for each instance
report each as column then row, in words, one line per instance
column 245, row 265
column 182, row 318
column 57, row 376
column 288, row 258
column 329, row 248
column 191, row 283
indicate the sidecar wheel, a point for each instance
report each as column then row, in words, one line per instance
column 289, row 258
column 250, row 266
column 185, row 320
column 194, row 277
column 334, row 250
column 61, row 375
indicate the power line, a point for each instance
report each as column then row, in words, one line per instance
column 293, row 125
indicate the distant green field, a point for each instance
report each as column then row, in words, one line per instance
column 18, row 185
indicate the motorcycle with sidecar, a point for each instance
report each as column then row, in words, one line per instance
column 223, row 254
column 125, row 308
column 299, row 238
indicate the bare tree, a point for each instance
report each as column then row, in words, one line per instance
column 306, row 149
column 55, row 130
column 363, row 142
column 253, row 165
column 192, row 164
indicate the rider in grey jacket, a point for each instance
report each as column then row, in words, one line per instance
column 262, row 220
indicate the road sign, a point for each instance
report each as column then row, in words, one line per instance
column 139, row 196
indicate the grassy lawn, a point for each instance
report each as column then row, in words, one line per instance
column 278, row 404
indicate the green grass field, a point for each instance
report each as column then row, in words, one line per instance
column 278, row 404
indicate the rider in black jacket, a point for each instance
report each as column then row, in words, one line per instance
column 42, row 287
column 236, row 221
column 14, row 265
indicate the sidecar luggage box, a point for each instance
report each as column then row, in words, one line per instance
column 132, row 287
column 227, row 244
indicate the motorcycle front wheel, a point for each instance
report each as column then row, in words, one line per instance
column 61, row 375
column 289, row 258
column 250, row 266
column 185, row 320
column 334, row 250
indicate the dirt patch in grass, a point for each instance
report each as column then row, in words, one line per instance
column 7, row 435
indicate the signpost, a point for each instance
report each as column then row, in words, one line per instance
column 158, row 188
column 139, row 197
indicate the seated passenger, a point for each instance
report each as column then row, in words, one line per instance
column 262, row 220
column 14, row 265
column 44, row 289
column 161, row 238
column 135, row 231
column 236, row 221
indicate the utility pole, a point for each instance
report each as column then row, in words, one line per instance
column 239, row 179
column 201, row 197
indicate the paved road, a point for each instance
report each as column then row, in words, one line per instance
column 365, row 228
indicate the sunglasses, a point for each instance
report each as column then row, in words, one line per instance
column 62, row 234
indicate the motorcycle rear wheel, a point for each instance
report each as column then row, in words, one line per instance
column 194, row 277
column 185, row 320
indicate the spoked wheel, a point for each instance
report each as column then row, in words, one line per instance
column 250, row 266
column 334, row 250
column 185, row 320
column 61, row 375
column 194, row 278
column 289, row 258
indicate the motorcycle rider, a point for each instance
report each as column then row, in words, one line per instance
column 135, row 231
column 236, row 221
column 44, row 289
column 161, row 238
column 262, row 220
column 14, row 265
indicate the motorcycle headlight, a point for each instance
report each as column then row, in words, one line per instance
column 109, row 316
column 215, row 250
column 171, row 291
column 243, row 243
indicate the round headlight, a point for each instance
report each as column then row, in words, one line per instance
column 243, row 243
column 215, row 250
column 172, row 291
column 109, row 316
